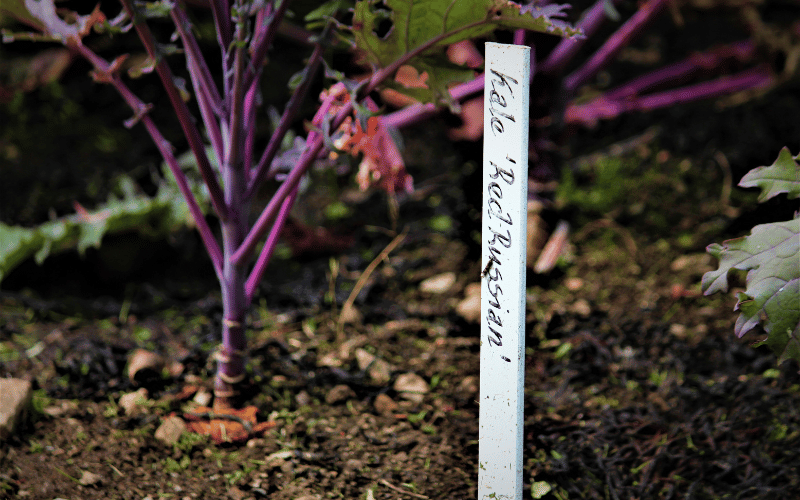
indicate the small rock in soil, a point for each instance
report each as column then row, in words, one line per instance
column 385, row 405
column 132, row 401
column 202, row 397
column 441, row 283
column 411, row 386
column 143, row 363
column 339, row 394
column 468, row 385
column 470, row 307
column 302, row 398
column 90, row 478
column 171, row 430
column 15, row 397
column 378, row 370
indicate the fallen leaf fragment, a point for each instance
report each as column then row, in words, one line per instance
column 227, row 425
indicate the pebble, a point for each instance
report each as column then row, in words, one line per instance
column 470, row 307
column 411, row 386
column 339, row 394
column 378, row 369
column 439, row 284
column 385, row 405
column 171, row 430
column 132, row 401
column 15, row 398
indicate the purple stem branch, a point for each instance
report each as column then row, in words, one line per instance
column 741, row 51
column 250, row 105
column 603, row 108
column 619, row 39
column 263, row 39
column 562, row 54
column 221, row 10
column 208, row 99
column 194, row 54
column 314, row 145
column 417, row 113
column 288, row 117
column 233, row 153
column 181, row 111
column 141, row 110
column 269, row 247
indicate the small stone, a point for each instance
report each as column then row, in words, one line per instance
column 441, row 283
column 385, row 405
column 470, row 307
column 302, row 398
column 90, row 478
column 378, row 370
column 350, row 315
column 171, row 430
column 132, row 402
column 411, row 386
column 15, row 398
column 582, row 308
column 202, row 397
column 143, row 364
column 698, row 261
column 468, row 385
column 339, row 394
column 573, row 284
column 678, row 330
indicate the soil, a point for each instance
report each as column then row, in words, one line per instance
column 635, row 386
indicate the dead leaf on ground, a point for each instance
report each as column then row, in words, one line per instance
column 227, row 425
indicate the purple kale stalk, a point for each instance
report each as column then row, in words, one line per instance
column 557, row 76
column 245, row 33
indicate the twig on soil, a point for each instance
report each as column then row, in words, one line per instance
column 365, row 276
column 400, row 490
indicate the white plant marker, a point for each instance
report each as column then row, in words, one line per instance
column 505, row 198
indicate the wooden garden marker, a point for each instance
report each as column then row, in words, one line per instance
column 505, row 197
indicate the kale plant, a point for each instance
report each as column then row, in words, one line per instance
column 771, row 258
column 402, row 43
column 245, row 32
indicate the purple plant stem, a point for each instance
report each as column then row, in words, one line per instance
column 182, row 111
column 313, row 147
column 707, row 61
column 288, row 117
column 208, row 98
column 233, row 153
column 566, row 49
column 164, row 147
column 417, row 113
column 263, row 40
column 221, row 10
column 269, row 247
column 250, row 105
column 231, row 354
column 602, row 108
column 621, row 38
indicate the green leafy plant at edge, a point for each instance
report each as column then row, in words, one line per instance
column 771, row 257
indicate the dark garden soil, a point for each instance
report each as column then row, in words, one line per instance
column 636, row 387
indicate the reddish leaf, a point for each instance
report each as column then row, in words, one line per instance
column 227, row 425
column 382, row 164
